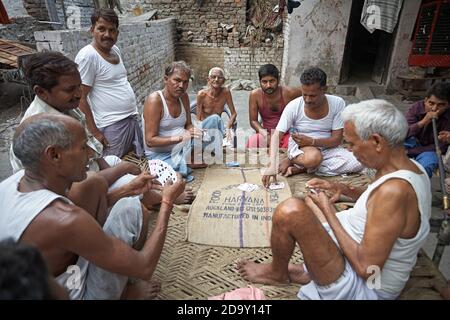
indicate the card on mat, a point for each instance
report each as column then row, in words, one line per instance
column 276, row 185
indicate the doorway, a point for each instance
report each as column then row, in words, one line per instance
column 366, row 55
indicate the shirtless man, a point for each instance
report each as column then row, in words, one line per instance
column 211, row 102
column 366, row 252
column 91, row 262
column 269, row 102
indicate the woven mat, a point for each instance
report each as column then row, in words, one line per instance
column 192, row 271
column 223, row 215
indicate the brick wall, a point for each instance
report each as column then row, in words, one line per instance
column 211, row 35
column 78, row 12
column 37, row 9
column 147, row 48
column 238, row 63
column 243, row 63
column 22, row 29
column 200, row 24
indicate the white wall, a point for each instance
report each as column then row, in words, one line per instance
column 316, row 36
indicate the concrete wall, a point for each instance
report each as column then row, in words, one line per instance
column 402, row 43
column 78, row 13
column 14, row 8
column 37, row 9
column 316, row 36
column 147, row 48
column 21, row 29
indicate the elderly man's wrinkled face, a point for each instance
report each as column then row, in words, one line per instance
column 177, row 83
column 269, row 84
column 75, row 159
column 65, row 95
column 216, row 79
column 364, row 151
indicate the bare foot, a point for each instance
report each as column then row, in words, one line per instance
column 293, row 170
column 444, row 291
column 297, row 274
column 197, row 165
column 186, row 197
column 142, row 290
column 260, row 273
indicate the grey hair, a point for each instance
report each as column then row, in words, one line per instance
column 218, row 69
column 178, row 65
column 377, row 116
column 29, row 143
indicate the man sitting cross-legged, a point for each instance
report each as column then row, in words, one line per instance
column 269, row 101
column 315, row 123
column 92, row 253
column 366, row 252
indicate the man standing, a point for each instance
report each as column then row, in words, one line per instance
column 316, row 132
column 368, row 251
column 92, row 253
column 108, row 100
column 420, row 141
column 269, row 102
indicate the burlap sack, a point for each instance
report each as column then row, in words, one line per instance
column 223, row 215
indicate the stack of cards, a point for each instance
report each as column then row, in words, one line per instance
column 162, row 171
column 247, row 187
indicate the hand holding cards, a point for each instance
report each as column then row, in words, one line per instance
column 312, row 190
column 162, row 171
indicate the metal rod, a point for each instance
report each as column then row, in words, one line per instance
column 443, row 231
column 445, row 203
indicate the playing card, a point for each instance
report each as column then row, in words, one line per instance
column 163, row 171
column 247, row 187
column 315, row 191
column 276, row 185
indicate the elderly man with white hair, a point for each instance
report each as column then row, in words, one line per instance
column 368, row 251
column 211, row 103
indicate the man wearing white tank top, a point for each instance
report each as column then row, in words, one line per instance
column 167, row 125
column 92, row 251
column 366, row 252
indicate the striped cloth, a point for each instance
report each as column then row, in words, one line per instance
column 380, row 14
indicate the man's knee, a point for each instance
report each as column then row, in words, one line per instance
column 93, row 185
column 289, row 211
column 311, row 158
